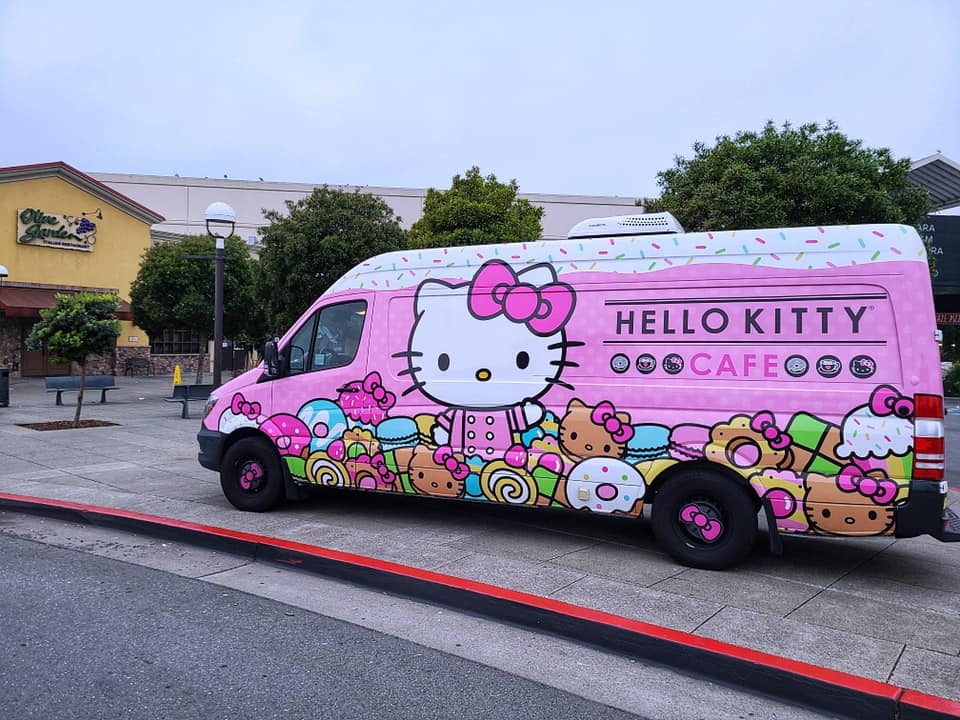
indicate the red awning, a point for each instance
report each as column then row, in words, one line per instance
column 28, row 302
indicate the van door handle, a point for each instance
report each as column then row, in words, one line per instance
column 348, row 388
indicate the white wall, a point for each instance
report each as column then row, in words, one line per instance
column 183, row 201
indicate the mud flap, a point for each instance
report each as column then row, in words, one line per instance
column 950, row 527
column 776, row 542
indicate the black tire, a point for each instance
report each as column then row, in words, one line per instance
column 704, row 520
column 251, row 475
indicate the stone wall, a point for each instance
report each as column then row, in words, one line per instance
column 163, row 364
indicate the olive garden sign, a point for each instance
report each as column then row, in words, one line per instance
column 67, row 232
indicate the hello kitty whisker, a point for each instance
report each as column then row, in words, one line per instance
column 564, row 363
column 415, row 386
column 410, row 371
column 407, row 353
column 564, row 344
column 561, row 383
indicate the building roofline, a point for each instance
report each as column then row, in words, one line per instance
column 85, row 182
column 279, row 186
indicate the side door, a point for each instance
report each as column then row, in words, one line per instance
column 326, row 397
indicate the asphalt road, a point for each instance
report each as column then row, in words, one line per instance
column 89, row 637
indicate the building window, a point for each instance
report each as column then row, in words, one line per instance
column 175, row 342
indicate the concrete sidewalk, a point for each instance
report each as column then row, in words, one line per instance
column 881, row 608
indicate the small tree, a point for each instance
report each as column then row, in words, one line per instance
column 174, row 290
column 475, row 211
column 320, row 238
column 76, row 327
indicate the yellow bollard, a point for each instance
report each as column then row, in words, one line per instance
column 177, row 376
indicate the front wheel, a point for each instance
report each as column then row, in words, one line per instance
column 704, row 520
column 251, row 476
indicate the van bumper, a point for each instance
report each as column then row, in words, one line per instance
column 211, row 448
column 924, row 514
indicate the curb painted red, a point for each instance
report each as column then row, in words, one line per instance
column 900, row 702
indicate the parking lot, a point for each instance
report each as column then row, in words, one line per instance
column 881, row 608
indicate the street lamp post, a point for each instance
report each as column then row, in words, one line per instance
column 221, row 220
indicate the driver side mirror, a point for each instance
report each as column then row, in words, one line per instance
column 272, row 359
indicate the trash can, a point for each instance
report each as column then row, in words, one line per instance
column 4, row 387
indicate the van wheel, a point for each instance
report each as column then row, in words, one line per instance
column 704, row 520
column 251, row 476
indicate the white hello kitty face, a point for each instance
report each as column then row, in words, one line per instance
column 459, row 360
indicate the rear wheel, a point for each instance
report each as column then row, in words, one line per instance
column 704, row 520
column 251, row 475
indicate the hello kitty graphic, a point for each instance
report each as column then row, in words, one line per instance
column 490, row 353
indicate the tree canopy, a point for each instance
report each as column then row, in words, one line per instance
column 174, row 291
column 791, row 176
column 77, row 326
column 475, row 211
column 321, row 237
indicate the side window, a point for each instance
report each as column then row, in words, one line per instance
column 338, row 335
column 299, row 348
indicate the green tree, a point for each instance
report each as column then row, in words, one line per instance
column 475, row 211
column 792, row 176
column 78, row 326
column 321, row 237
column 174, row 290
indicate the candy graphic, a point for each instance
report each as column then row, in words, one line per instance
column 648, row 443
column 325, row 420
column 288, row 432
column 398, row 432
column 321, row 469
column 866, row 434
column 505, row 483
column 604, row 485
column 784, row 490
column 688, row 441
column 814, row 445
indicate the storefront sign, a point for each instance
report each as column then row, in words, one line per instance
column 67, row 232
column 948, row 318
column 942, row 235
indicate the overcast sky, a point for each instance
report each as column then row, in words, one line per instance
column 589, row 97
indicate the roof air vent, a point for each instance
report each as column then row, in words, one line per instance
column 651, row 224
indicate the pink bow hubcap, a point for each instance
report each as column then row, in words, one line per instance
column 701, row 521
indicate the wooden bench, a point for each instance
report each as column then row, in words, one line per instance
column 136, row 365
column 70, row 383
column 184, row 394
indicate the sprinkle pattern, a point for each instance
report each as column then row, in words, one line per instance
column 795, row 248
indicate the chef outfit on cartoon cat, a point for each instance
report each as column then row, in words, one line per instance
column 487, row 357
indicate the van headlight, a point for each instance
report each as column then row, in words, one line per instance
column 208, row 405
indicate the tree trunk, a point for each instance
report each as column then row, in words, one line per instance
column 83, row 380
column 200, row 363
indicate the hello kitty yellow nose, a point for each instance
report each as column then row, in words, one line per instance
column 483, row 374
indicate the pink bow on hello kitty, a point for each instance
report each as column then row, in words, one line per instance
column 240, row 406
column 881, row 492
column 605, row 415
column 443, row 455
column 887, row 400
column 378, row 463
column 764, row 424
column 497, row 290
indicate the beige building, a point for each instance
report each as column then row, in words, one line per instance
column 183, row 202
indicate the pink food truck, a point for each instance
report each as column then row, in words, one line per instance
column 714, row 376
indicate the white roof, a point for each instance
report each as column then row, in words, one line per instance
column 784, row 248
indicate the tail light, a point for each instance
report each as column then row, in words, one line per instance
column 928, row 443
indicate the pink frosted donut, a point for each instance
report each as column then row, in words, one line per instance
column 288, row 432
